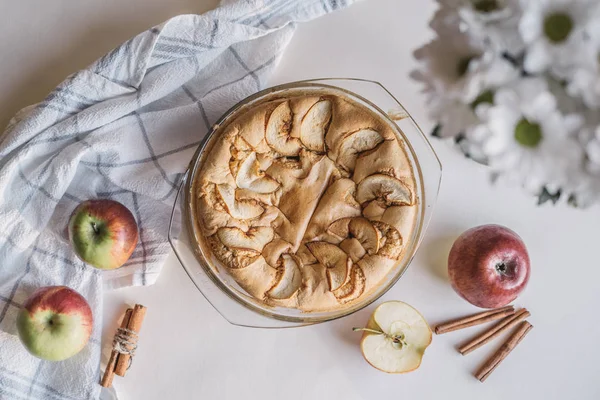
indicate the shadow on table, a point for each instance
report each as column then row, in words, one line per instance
column 434, row 252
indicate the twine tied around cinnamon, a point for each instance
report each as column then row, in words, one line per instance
column 125, row 342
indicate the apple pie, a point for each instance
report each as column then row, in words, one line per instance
column 307, row 200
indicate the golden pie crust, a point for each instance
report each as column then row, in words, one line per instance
column 306, row 200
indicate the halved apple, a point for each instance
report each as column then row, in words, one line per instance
column 314, row 126
column 250, row 176
column 383, row 187
column 337, row 262
column 255, row 239
column 288, row 279
column 277, row 132
column 354, row 144
column 395, row 338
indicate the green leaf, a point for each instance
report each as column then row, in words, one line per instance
column 546, row 196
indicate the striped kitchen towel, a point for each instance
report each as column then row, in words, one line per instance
column 125, row 128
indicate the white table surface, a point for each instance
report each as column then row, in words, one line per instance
column 188, row 351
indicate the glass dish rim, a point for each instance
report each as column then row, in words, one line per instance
column 187, row 185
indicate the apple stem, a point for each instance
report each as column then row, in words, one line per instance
column 396, row 339
column 94, row 227
column 369, row 330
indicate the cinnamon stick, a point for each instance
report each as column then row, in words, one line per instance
column 473, row 320
column 494, row 332
column 109, row 372
column 508, row 346
column 135, row 324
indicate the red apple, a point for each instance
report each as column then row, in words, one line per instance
column 488, row 266
column 55, row 323
column 103, row 233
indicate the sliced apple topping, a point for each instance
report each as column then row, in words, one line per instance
column 305, row 256
column 374, row 210
column 352, row 289
column 395, row 338
column 251, row 177
column 255, row 239
column 244, row 209
column 314, row 126
column 271, row 199
column 337, row 262
column 288, row 279
column 353, row 248
column 354, row 144
column 359, row 228
column 273, row 251
column 241, row 144
column 232, row 257
column 306, row 200
column 385, row 188
column 391, row 241
column 277, row 132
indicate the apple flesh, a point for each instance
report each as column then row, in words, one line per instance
column 395, row 338
column 489, row 266
column 55, row 323
column 103, row 233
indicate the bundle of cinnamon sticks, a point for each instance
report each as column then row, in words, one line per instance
column 124, row 344
column 508, row 317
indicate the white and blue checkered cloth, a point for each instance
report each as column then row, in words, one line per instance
column 125, row 128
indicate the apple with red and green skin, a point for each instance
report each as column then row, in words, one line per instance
column 103, row 233
column 489, row 266
column 55, row 323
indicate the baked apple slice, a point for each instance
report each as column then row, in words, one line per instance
column 251, row 176
column 255, row 239
column 336, row 262
column 314, row 126
column 385, row 188
column 277, row 132
column 356, row 143
column 288, row 279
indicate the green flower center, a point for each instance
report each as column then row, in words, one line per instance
column 528, row 134
column 486, row 6
column 558, row 26
column 485, row 97
column 463, row 66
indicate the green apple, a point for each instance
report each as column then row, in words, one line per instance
column 395, row 338
column 103, row 233
column 55, row 323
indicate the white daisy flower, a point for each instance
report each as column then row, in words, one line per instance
column 592, row 151
column 456, row 71
column 446, row 18
column 496, row 22
column 587, row 191
column 587, row 188
column 451, row 64
column 526, row 139
column 584, row 80
column 554, row 32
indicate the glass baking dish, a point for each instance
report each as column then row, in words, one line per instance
column 223, row 292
